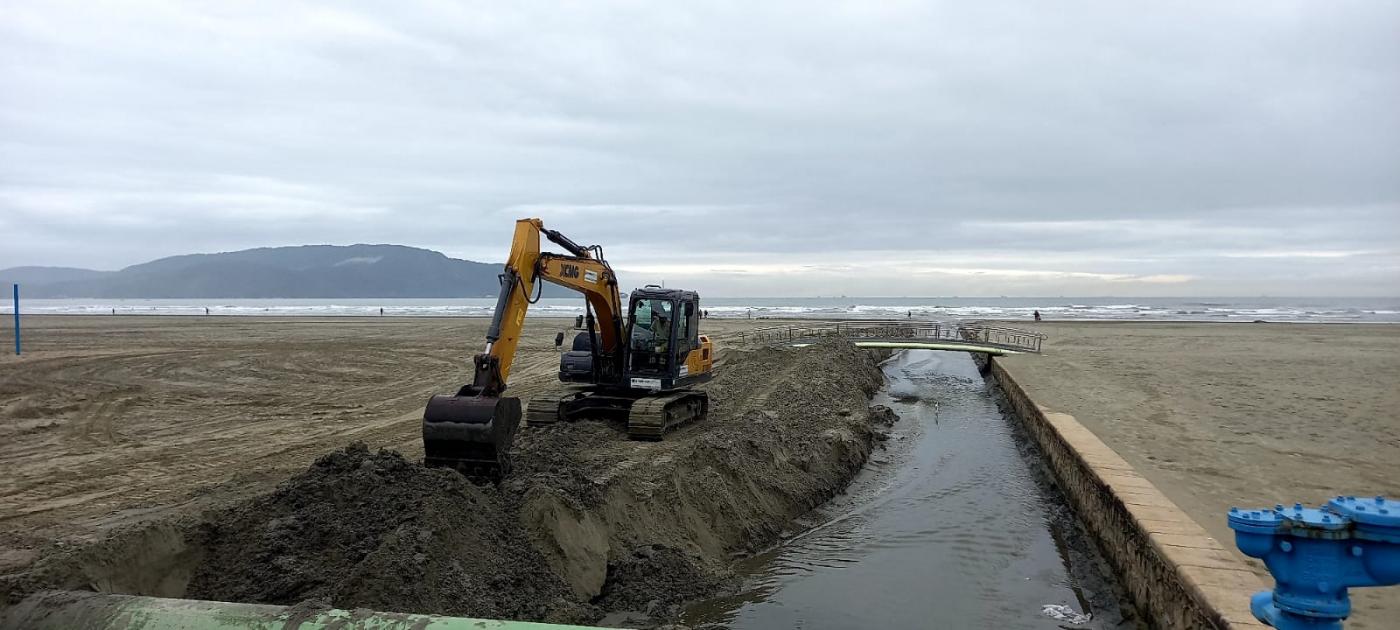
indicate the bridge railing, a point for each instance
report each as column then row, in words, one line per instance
column 967, row 333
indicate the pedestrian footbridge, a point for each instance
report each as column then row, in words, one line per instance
column 913, row 335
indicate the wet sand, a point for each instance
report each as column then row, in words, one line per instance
column 1217, row 415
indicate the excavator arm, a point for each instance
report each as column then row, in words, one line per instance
column 473, row 429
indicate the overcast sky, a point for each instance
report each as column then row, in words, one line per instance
column 741, row 148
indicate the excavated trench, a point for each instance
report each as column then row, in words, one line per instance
column 955, row 521
column 589, row 524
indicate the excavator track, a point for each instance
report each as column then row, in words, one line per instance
column 547, row 407
column 651, row 417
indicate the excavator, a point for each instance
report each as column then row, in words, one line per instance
column 639, row 364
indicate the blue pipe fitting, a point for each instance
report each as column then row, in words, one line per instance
column 1316, row 554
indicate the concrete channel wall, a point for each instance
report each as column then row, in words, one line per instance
column 1175, row 573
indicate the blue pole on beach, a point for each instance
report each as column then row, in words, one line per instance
column 17, row 319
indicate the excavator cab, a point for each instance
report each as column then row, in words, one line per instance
column 663, row 331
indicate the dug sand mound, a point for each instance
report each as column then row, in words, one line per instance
column 634, row 525
column 375, row 531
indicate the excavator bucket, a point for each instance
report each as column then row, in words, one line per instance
column 471, row 433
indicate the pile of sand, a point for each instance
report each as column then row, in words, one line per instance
column 376, row 531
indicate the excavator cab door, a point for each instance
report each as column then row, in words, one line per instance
column 650, row 339
column 662, row 329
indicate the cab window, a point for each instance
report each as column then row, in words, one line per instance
column 651, row 324
column 689, row 325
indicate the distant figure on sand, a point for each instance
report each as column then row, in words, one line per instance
column 381, row 311
column 909, row 315
column 1037, row 315
column 206, row 311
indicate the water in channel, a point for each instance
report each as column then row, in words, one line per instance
column 951, row 526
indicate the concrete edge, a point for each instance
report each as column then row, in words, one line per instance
column 1174, row 572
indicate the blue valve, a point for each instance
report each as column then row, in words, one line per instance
column 1315, row 555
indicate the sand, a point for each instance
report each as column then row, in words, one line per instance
column 109, row 421
column 1219, row 415
column 589, row 524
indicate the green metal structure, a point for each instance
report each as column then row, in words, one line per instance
column 68, row 610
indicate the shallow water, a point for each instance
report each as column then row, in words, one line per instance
column 951, row 526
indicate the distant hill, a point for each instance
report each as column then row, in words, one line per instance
column 307, row 271
column 47, row 275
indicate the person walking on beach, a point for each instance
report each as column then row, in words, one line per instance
column 381, row 311
column 206, row 311
column 1037, row 315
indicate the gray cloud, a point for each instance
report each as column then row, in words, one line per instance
column 787, row 148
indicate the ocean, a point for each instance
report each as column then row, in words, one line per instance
column 1273, row 309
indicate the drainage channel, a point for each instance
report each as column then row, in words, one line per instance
column 953, row 525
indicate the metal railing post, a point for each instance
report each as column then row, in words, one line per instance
column 17, row 343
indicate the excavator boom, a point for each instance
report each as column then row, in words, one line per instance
column 472, row 430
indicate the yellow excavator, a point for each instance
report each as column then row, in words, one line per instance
column 639, row 367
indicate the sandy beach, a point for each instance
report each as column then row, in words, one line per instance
column 106, row 421
column 201, row 435
column 109, row 421
column 1219, row 415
